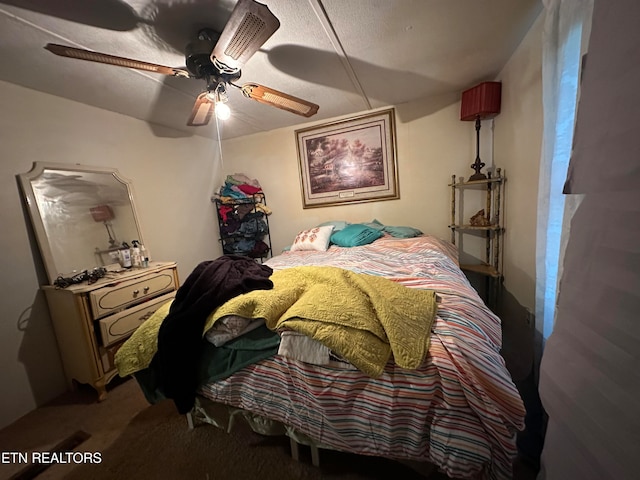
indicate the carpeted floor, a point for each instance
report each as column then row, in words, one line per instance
column 157, row 445
column 139, row 441
column 135, row 440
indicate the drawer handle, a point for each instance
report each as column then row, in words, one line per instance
column 136, row 292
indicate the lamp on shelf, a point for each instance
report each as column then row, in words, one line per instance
column 480, row 103
column 104, row 214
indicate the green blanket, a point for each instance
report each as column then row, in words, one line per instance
column 219, row 362
column 363, row 318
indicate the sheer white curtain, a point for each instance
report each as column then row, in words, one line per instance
column 564, row 36
column 589, row 377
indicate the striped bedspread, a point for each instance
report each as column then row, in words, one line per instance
column 459, row 410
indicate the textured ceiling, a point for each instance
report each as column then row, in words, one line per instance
column 346, row 56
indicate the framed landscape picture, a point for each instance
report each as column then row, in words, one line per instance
column 349, row 161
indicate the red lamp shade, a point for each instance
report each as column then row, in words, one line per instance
column 481, row 101
column 102, row 213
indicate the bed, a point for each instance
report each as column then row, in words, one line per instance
column 442, row 396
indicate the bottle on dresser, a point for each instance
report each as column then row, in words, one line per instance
column 144, row 256
column 136, row 261
column 124, row 255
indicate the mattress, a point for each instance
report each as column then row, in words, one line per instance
column 458, row 410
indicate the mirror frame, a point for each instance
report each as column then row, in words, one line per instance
column 42, row 239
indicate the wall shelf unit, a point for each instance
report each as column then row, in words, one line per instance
column 244, row 226
column 486, row 223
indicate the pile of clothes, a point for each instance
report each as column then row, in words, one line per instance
column 242, row 213
column 239, row 186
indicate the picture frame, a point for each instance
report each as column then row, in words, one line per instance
column 349, row 161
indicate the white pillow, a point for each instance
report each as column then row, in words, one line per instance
column 316, row 238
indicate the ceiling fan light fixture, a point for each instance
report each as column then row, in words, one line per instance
column 219, row 98
column 223, row 112
column 251, row 24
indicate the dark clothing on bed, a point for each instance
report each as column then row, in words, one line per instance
column 211, row 283
column 221, row 362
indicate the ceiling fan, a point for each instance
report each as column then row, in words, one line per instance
column 217, row 59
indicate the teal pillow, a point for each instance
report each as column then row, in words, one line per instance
column 337, row 224
column 402, row 232
column 355, row 235
column 374, row 224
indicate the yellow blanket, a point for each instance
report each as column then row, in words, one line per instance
column 138, row 351
column 361, row 317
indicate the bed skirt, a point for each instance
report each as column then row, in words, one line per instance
column 226, row 417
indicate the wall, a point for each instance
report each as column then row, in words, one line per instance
column 517, row 149
column 173, row 181
column 431, row 145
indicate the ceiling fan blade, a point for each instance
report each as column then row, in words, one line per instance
column 281, row 100
column 202, row 111
column 80, row 54
column 249, row 27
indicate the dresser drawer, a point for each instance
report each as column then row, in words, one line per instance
column 120, row 325
column 107, row 300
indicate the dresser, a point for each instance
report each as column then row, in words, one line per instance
column 91, row 322
column 85, row 222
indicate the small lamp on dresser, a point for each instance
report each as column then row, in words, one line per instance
column 480, row 103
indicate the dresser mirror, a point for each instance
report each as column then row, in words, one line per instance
column 82, row 216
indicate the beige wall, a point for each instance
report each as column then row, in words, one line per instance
column 517, row 147
column 431, row 144
column 173, row 180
